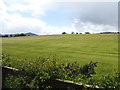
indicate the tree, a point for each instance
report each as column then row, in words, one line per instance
column 64, row 33
column 72, row 33
column 87, row 33
column 10, row 35
column 22, row 34
column 5, row 36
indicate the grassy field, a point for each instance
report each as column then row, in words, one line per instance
column 102, row 48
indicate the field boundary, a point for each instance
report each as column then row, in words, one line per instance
column 55, row 83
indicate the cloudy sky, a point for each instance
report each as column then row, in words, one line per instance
column 50, row 17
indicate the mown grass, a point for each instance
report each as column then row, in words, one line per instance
column 102, row 48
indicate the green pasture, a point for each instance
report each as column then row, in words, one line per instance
column 101, row 48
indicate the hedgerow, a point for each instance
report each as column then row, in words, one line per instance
column 42, row 69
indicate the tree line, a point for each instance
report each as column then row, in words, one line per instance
column 89, row 33
column 75, row 33
column 13, row 35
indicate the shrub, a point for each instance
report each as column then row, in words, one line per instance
column 88, row 69
column 43, row 69
column 109, row 81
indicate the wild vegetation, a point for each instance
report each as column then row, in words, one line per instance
column 39, row 71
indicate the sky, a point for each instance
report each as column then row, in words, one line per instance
column 45, row 17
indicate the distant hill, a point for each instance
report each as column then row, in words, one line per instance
column 29, row 34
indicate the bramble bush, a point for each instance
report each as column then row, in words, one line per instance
column 42, row 69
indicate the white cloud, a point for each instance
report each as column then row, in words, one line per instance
column 92, row 28
column 33, row 7
column 16, row 23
